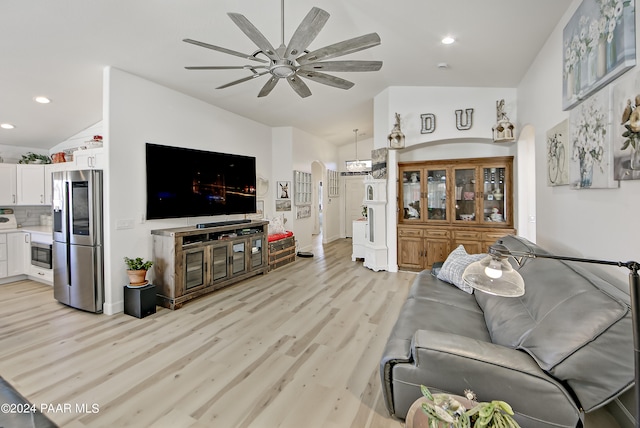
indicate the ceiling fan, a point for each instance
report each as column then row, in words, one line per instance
column 293, row 62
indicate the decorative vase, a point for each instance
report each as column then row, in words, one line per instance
column 601, row 56
column 592, row 61
column 584, row 71
column 612, row 55
column 137, row 278
column 570, row 84
column 634, row 159
column 586, row 173
column 577, row 74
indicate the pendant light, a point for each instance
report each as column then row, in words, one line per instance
column 356, row 166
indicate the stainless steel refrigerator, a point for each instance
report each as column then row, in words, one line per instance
column 78, row 257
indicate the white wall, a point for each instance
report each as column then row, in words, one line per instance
column 592, row 223
column 137, row 111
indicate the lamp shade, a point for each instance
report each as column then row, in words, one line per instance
column 494, row 275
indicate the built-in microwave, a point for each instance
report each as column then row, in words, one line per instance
column 41, row 255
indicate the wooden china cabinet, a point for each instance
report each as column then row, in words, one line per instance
column 445, row 203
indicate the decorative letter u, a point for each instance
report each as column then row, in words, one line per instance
column 463, row 126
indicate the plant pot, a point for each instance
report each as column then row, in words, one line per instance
column 137, row 278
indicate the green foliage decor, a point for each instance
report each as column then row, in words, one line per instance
column 137, row 264
column 444, row 409
column 31, row 157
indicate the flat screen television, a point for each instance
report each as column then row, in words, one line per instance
column 184, row 182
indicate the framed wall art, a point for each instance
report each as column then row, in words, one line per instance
column 303, row 211
column 599, row 45
column 283, row 205
column 591, row 161
column 284, row 190
column 379, row 163
column 626, row 127
column 302, row 183
column 334, row 183
column 558, row 154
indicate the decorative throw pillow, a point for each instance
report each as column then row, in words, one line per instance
column 454, row 267
column 276, row 225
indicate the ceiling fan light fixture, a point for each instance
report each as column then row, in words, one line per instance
column 282, row 69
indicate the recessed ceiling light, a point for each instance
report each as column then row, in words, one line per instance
column 42, row 100
column 448, row 40
column 6, row 126
column 443, row 65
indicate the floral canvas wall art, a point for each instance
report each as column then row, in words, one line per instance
column 599, row 45
column 626, row 128
column 591, row 163
column 558, row 154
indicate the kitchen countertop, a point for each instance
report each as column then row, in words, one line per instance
column 30, row 229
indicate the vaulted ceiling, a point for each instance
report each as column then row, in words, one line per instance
column 59, row 49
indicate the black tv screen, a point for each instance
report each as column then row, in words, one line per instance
column 184, row 182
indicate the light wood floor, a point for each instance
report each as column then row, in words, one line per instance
column 298, row 347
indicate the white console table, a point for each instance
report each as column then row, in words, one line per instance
column 359, row 238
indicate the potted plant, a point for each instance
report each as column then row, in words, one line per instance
column 31, row 157
column 445, row 410
column 137, row 270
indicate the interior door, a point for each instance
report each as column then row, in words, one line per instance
column 354, row 196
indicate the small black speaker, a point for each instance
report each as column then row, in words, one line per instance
column 140, row 301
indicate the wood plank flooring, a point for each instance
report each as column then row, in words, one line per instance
column 298, row 347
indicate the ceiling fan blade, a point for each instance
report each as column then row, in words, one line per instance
column 255, row 35
column 223, row 50
column 244, row 79
column 341, row 48
column 326, row 79
column 299, row 86
column 224, row 67
column 268, row 87
column 342, row 66
column 306, row 32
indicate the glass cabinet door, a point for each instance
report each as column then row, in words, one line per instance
column 411, row 195
column 256, row 252
column 437, row 194
column 494, row 201
column 220, row 262
column 466, row 193
column 194, row 268
column 238, row 257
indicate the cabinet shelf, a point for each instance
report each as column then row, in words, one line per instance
column 451, row 202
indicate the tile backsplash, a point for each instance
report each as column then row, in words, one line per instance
column 30, row 215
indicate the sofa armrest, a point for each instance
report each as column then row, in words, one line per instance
column 455, row 363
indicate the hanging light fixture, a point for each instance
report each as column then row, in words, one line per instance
column 357, row 165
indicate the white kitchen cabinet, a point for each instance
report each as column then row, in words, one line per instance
column 18, row 250
column 90, row 158
column 30, row 181
column 8, row 194
column 3, row 255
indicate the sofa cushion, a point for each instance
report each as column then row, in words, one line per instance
column 559, row 321
column 454, row 267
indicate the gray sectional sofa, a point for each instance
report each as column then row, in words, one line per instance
column 563, row 349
